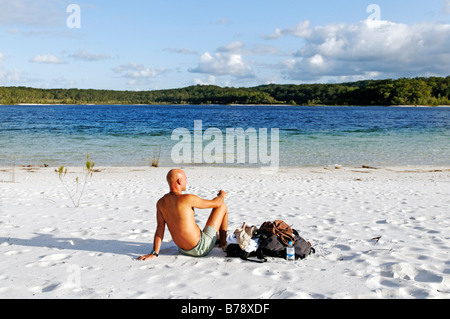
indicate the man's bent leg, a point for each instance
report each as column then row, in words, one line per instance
column 205, row 245
column 219, row 221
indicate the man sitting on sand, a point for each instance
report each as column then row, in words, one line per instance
column 177, row 211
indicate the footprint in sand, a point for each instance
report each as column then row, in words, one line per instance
column 428, row 277
column 16, row 252
column 396, row 275
column 47, row 229
column 404, row 271
column 55, row 257
column 265, row 272
column 50, row 288
column 48, row 261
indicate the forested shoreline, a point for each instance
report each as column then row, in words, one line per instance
column 430, row 91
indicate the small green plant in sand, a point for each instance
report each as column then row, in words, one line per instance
column 80, row 186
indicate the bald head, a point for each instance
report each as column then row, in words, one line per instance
column 176, row 178
column 174, row 174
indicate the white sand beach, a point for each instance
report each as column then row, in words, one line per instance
column 50, row 249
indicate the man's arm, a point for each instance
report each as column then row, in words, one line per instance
column 159, row 235
column 201, row 203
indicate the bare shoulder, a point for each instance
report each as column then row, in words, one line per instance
column 190, row 197
column 161, row 201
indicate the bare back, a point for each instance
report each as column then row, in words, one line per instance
column 178, row 213
column 176, row 210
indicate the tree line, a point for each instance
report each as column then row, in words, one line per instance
column 405, row 91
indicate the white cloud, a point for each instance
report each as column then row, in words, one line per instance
column 223, row 64
column 11, row 77
column 317, row 61
column 370, row 47
column 47, row 59
column 90, row 57
column 211, row 80
column 14, row 77
column 185, row 51
column 231, row 47
column 230, row 60
column 300, row 30
column 137, row 72
column 238, row 47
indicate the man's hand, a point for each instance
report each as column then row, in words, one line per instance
column 222, row 193
column 145, row 257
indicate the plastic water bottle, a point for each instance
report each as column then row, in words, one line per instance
column 290, row 252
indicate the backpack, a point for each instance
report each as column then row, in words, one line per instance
column 272, row 246
column 303, row 248
column 279, row 228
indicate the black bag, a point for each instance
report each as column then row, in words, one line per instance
column 303, row 248
column 233, row 250
column 273, row 247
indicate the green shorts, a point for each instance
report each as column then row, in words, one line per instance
column 205, row 245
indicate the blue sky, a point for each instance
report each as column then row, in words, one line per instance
column 146, row 45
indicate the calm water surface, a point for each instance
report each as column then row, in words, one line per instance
column 129, row 135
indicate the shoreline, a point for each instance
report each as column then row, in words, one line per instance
column 319, row 105
column 336, row 167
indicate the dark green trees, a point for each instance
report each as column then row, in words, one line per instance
column 416, row 91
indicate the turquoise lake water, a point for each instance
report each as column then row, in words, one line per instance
column 129, row 135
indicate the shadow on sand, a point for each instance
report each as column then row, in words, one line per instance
column 115, row 247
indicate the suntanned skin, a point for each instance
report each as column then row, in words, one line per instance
column 176, row 210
